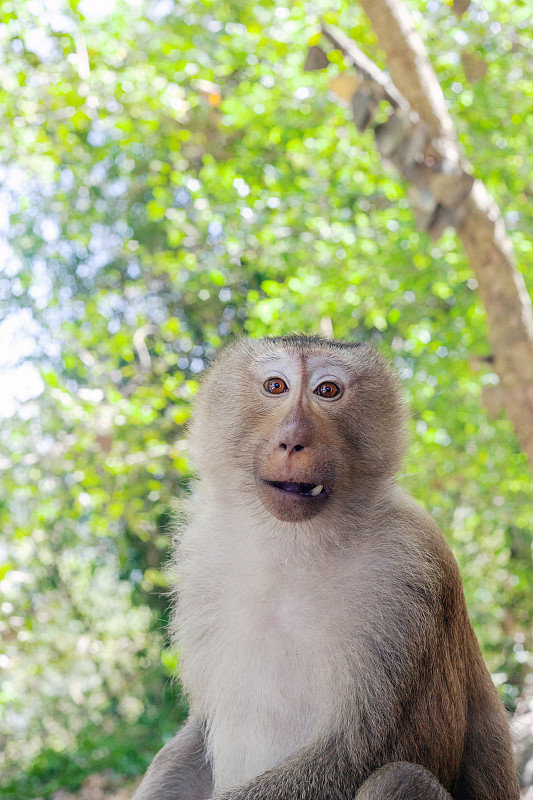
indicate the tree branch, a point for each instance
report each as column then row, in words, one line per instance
column 443, row 193
column 408, row 64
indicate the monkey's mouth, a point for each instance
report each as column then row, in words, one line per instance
column 301, row 489
column 293, row 501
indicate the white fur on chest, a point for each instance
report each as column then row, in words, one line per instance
column 257, row 636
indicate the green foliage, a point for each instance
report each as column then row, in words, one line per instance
column 173, row 178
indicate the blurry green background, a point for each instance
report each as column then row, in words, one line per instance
column 169, row 178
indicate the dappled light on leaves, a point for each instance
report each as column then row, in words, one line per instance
column 170, row 177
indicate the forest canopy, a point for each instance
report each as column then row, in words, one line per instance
column 170, row 178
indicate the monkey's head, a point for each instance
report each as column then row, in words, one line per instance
column 301, row 422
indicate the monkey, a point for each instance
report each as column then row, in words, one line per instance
column 324, row 642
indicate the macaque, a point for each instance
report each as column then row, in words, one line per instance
column 325, row 646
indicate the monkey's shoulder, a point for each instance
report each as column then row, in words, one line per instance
column 405, row 523
column 410, row 554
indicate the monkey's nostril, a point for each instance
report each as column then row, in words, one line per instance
column 296, row 448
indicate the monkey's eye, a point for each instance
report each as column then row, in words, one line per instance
column 275, row 386
column 327, row 389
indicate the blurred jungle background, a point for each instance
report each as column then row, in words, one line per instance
column 171, row 177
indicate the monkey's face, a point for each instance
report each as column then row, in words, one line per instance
column 298, row 454
column 307, row 422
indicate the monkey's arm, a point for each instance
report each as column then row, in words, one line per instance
column 180, row 770
column 328, row 773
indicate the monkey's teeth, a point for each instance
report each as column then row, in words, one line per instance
column 316, row 490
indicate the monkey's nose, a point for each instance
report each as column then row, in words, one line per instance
column 296, row 448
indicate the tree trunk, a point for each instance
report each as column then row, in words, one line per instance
column 480, row 226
